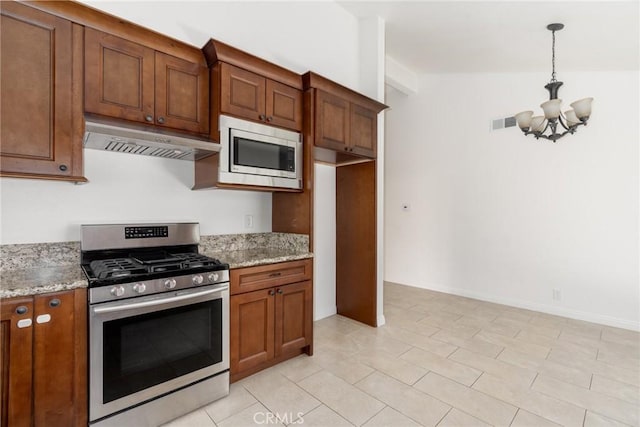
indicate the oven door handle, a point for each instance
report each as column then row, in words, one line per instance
column 132, row 306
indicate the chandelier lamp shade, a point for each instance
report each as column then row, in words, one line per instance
column 554, row 124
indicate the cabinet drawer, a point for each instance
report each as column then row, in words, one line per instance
column 265, row 276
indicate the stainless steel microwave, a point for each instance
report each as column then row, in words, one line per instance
column 256, row 154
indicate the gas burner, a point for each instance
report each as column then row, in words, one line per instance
column 191, row 260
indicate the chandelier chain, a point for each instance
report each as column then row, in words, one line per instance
column 553, row 57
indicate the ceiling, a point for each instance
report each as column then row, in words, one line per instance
column 507, row 36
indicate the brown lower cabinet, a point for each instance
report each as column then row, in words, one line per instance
column 270, row 324
column 44, row 360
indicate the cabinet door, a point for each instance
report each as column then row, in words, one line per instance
column 294, row 317
column 283, row 105
column 364, row 137
column 242, row 93
column 182, row 94
column 251, row 341
column 332, row 122
column 37, row 99
column 119, row 77
column 16, row 362
column 54, row 359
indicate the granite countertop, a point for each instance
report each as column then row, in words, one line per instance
column 31, row 269
column 257, row 256
column 32, row 281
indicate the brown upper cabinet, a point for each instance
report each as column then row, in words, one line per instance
column 127, row 80
column 344, row 122
column 41, row 99
column 253, row 97
column 251, row 88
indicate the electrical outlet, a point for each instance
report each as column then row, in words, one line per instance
column 557, row 296
column 248, row 221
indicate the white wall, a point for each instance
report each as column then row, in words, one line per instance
column 138, row 188
column 324, row 245
column 124, row 188
column 372, row 77
column 503, row 217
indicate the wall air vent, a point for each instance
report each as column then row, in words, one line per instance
column 506, row 122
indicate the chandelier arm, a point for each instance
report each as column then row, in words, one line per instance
column 546, row 127
column 562, row 123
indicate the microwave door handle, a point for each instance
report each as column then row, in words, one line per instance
column 132, row 306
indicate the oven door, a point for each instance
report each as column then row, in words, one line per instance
column 146, row 347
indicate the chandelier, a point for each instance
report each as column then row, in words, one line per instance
column 557, row 123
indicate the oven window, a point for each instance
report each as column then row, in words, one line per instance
column 247, row 152
column 149, row 349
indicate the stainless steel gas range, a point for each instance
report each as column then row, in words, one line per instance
column 158, row 323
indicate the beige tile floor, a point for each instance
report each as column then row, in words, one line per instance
column 443, row 360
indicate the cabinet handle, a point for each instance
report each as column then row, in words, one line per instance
column 346, row 148
column 276, row 274
column 269, row 118
column 63, row 168
column 54, row 303
column 43, row 318
column 262, row 117
column 24, row 323
column 271, row 292
column 22, row 310
column 279, row 291
column 161, row 120
column 148, row 118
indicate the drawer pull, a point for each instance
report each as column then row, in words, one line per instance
column 276, row 274
column 279, row 291
column 24, row 323
column 22, row 310
column 271, row 292
column 43, row 318
column 54, row 302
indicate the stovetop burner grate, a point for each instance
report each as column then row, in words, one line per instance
column 134, row 267
column 194, row 260
column 116, row 267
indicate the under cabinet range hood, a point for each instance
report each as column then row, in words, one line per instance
column 111, row 136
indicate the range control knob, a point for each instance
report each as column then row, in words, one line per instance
column 197, row 279
column 170, row 283
column 213, row 277
column 139, row 288
column 117, row 291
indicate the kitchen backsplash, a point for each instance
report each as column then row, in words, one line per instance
column 239, row 242
column 38, row 255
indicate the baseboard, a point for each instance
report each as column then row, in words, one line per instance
column 326, row 312
column 381, row 320
column 544, row 308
